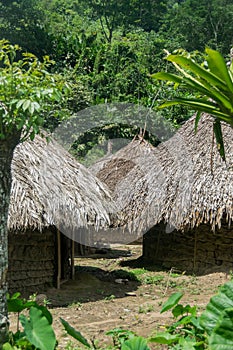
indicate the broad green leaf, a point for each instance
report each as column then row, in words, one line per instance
column 187, row 344
column 215, row 88
column 216, row 307
column 219, row 138
column 203, row 73
column 17, row 304
column 165, row 338
column 26, row 105
column 202, row 106
column 222, row 335
column 20, row 103
column 188, row 320
column 217, row 65
column 45, row 313
column 178, row 310
column 167, row 76
column 75, row 334
column 38, row 330
column 31, row 108
column 197, row 85
column 135, row 343
column 171, row 302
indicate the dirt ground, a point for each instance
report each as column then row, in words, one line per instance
column 115, row 290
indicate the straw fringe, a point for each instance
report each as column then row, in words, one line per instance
column 49, row 187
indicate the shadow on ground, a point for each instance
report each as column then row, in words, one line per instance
column 92, row 284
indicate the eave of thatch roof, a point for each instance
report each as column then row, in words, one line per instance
column 49, row 187
column 183, row 182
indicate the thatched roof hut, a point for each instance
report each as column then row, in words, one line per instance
column 185, row 185
column 49, row 185
column 114, row 170
column 51, row 194
column 183, row 181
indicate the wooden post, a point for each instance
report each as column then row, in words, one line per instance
column 72, row 260
column 195, row 251
column 58, row 259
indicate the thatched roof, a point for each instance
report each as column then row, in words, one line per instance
column 114, row 168
column 50, row 188
column 184, row 182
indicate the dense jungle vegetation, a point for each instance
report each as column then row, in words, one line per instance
column 107, row 50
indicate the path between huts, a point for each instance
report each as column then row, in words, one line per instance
column 114, row 290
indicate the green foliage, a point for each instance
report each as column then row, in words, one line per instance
column 217, row 305
column 28, row 91
column 22, row 23
column 135, row 343
column 17, row 304
column 186, row 331
column 119, row 336
column 75, row 334
column 211, row 81
column 195, row 24
column 212, row 329
column 37, row 326
column 38, row 331
column 152, row 279
column 172, row 301
column 222, row 337
column 122, row 339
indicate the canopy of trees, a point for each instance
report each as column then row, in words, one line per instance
column 108, row 50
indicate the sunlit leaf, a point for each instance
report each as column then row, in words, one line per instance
column 165, row 338
column 26, row 105
column 135, row 343
column 217, row 65
column 38, row 330
column 190, row 65
column 171, row 302
column 75, row 334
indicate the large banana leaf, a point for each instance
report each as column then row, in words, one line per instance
column 222, row 336
column 216, row 307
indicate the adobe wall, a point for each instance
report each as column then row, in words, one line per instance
column 198, row 251
column 31, row 261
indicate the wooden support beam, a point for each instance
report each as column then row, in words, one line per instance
column 72, row 259
column 58, row 259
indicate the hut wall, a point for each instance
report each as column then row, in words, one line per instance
column 31, row 261
column 198, row 251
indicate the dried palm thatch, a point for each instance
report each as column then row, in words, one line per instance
column 114, row 168
column 183, row 181
column 49, row 188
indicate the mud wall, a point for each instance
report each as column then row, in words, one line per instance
column 32, row 257
column 198, row 251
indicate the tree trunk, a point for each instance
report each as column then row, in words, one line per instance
column 7, row 147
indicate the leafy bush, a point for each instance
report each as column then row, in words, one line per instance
column 37, row 327
column 212, row 330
